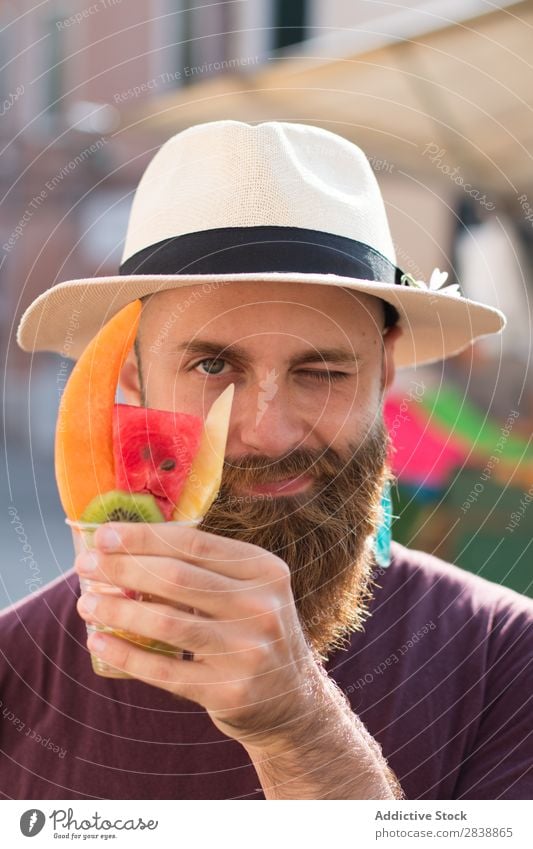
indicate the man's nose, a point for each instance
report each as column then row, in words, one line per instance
column 265, row 420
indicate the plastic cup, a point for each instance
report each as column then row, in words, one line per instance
column 83, row 539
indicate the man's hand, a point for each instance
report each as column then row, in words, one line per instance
column 231, row 604
column 251, row 666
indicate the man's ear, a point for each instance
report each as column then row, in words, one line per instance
column 388, row 369
column 129, row 380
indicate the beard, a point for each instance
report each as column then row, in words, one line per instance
column 322, row 534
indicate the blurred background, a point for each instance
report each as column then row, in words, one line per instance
column 438, row 94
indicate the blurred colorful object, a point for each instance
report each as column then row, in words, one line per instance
column 485, row 438
column 425, row 453
column 461, row 478
column 440, row 430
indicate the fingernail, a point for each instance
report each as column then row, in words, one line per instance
column 97, row 643
column 88, row 602
column 107, row 538
column 87, row 562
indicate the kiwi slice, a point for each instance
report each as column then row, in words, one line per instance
column 119, row 506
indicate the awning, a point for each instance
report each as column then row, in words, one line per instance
column 447, row 97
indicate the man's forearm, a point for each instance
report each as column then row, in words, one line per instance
column 326, row 754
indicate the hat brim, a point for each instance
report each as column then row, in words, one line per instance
column 435, row 325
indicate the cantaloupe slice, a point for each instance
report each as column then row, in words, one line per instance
column 204, row 480
column 84, row 464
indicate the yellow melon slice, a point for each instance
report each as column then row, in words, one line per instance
column 203, row 482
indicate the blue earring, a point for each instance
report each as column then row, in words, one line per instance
column 383, row 535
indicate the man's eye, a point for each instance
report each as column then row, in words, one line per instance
column 325, row 376
column 212, row 366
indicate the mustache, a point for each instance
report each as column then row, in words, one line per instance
column 323, row 464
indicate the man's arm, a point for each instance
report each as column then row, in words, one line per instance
column 327, row 754
column 252, row 668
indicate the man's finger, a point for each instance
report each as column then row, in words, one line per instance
column 167, row 578
column 159, row 622
column 226, row 556
column 180, row 677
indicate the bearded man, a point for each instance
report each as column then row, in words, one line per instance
column 308, row 663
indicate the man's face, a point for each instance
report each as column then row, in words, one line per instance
column 306, row 452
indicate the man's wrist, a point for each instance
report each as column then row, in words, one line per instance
column 324, row 751
column 301, row 715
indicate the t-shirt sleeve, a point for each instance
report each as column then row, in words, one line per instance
column 500, row 763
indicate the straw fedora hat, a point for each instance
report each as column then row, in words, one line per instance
column 277, row 201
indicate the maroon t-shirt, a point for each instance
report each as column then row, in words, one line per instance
column 441, row 676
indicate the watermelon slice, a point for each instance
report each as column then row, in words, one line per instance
column 154, row 452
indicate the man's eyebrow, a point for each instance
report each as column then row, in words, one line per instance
column 217, row 350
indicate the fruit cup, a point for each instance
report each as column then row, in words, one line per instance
column 105, row 451
column 83, row 538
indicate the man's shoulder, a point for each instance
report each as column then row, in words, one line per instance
column 432, row 570
column 43, row 612
column 441, row 675
column 422, row 578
